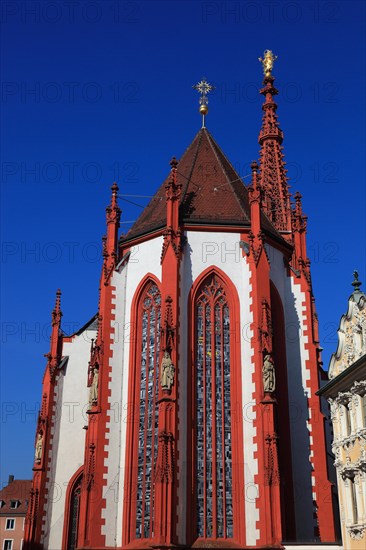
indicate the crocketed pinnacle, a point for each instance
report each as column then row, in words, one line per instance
column 56, row 312
column 273, row 179
column 113, row 211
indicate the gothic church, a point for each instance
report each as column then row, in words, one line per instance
column 202, row 426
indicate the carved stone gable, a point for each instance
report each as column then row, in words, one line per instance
column 351, row 337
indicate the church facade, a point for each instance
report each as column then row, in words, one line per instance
column 201, row 426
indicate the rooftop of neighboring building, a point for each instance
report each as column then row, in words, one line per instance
column 351, row 333
column 343, row 381
column 347, row 364
column 14, row 497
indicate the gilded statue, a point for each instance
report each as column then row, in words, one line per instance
column 269, row 380
column 167, row 372
column 268, row 62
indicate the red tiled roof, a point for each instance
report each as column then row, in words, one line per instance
column 18, row 489
column 212, row 191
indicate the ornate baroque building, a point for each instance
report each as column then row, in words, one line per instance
column 346, row 393
column 202, row 427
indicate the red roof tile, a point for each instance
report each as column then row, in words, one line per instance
column 212, row 191
column 17, row 490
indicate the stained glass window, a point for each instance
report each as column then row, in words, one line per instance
column 74, row 515
column 149, row 327
column 213, row 412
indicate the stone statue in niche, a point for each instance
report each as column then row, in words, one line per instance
column 167, row 372
column 39, row 448
column 269, row 380
column 93, row 391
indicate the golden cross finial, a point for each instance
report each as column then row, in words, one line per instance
column 268, row 62
column 203, row 88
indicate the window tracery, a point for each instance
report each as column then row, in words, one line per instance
column 213, row 412
column 74, row 515
column 149, row 313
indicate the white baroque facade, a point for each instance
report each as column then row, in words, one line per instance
column 346, row 393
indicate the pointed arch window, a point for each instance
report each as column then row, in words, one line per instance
column 213, row 444
column 149, row 312
column 73, row 520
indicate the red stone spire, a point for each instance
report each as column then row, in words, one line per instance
column 56, row 326
column 165, row 470
column 110, row 241
column 300, row 261
column 90, row 518
column 173, row 189
column 43, row 444
column 255, row 200
column 273, row 179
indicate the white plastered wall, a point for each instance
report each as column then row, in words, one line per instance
column 298, row 374
column 144, row 258
column 68, row 436
column 221, row 250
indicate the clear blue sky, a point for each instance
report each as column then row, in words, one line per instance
column 112, row 98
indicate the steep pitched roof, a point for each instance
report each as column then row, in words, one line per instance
column 212, row 191
column 17, row 490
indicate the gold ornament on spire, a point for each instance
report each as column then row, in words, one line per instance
column 203, row 88
column 268, row 62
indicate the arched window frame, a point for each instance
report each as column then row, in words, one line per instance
column 74, row 482
column 238, row 489
column 133, row 414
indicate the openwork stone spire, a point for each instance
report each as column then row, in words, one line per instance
column 273, row 179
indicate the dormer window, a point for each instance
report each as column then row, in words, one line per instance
column 14, row 504
column 2, row 503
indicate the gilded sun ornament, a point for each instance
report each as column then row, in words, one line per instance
column 203, row 87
